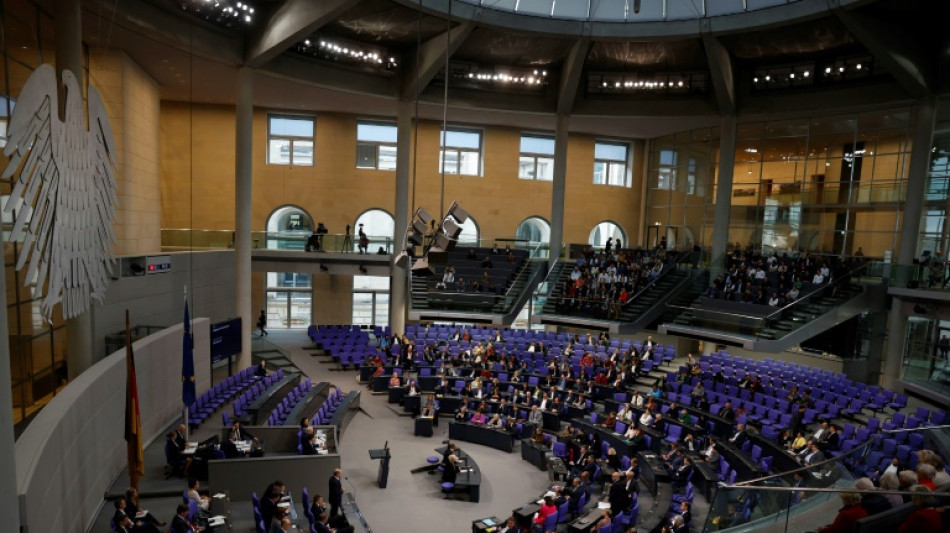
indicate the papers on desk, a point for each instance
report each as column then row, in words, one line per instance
column 285, row 505
column 190, row 448
column 141, row 514
column 216, row 521
column 488, row 522
column 466, row 469
column 220, row 495
column 603, row 505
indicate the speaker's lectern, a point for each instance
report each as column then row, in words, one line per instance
column 383, row 455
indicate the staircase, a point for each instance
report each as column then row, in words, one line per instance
column 795, row 324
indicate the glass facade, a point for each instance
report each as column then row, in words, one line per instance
column 830, row 184
column 681, row 188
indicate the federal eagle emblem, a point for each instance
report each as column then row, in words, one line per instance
column 64, row 193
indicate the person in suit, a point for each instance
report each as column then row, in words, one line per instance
column 322, row 524
column 230, row 449
column 261, row 370
column 336, row 492
column 173, row 455
column 681, row 474
column 510, row 526
column 739, row 437
column 813, row 455
column 617, row 496
column 338, row 523
column 239, row 433
column 727, row 412
column 831, row 441
column 180, row 523
column 311, row 447
column 132, row 508
column 822, row 433
column 269, row 506
column 126, row 524
column 450, row 471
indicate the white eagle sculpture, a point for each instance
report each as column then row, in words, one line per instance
column 64, row 194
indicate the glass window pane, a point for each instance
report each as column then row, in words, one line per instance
column 537, row 145
column 303, row 153
column 526, row 167
column 451, row 165
column 368, row 131
column 381, row 315
column 387, row 157
column 462, row 139
column 469, row 163
column 365, row 155
column 296, row 127
column 545, row 169
column 600, row 172
column 278, row 152
column 610, row 151
column 668, row 157
column 617, row 174
column 300, row 309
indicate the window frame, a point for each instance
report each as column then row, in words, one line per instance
column 535, row 156
column 627, row 180
column 375, row 144
column 459, row 150
column 291, row 138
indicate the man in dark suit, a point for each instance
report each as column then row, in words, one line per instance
column 726, row 412
column 310, row 447
column 739, row 436
column 831, row 441
column 230, row 449
column 239, row 433
column 681, row 474
column 336, row 492
column 812, row 455
column 618, row 497
column 180, row 523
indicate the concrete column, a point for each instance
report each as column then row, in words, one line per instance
column 68, row 28
column 916, row 181
column 727, row 160
column 398, row 283
column 896, row 321
column 243, row 170
column 557, row 191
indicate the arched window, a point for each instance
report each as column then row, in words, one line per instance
column 288, row 228
column 470, row 232
column 379, row 226
column 607, row 230
column 534, row 229
column 288, row 296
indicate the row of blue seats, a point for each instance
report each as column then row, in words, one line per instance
column 212, row 399
column 279, row 415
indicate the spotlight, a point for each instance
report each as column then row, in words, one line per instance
column 458, row 213
column 323, row 268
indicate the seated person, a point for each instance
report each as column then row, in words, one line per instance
column 339, row 522
column 395, row 381
column 204, row 503
column 479, row 417
column 230, row 449
column 125, row 523
column 180, row 523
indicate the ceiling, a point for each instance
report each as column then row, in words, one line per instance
column 194, row 60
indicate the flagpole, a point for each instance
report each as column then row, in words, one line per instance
column 184, row 408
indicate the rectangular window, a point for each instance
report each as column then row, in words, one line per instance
column 610, row 164
column 537, row 158
column 461, row 152
column 376, row 145
column 666, row 173
column 290, row 140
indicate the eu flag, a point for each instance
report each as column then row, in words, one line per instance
column 187, row 363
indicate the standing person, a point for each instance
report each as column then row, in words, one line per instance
column 262, row 323
column 364, row 240
column 336, row 492
column 347, row 240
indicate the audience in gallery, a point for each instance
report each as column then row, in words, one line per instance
column 777, row 279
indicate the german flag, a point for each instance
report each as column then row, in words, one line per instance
column 133, row 420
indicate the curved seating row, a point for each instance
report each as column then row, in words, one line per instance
column 212, row 399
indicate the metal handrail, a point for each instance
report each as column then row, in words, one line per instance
column 821, row 288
